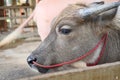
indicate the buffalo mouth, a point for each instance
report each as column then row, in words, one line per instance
column 30, row 60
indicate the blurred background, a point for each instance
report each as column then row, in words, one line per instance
column 13, row 13
column 13, row 64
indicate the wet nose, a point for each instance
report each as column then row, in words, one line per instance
column 30, row 60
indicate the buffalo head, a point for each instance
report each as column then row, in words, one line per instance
column 74, row 32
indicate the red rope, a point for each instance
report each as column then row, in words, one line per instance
column 101, row 53
column 79, row 58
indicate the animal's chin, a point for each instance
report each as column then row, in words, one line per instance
column 39, row 69
column 42, row 70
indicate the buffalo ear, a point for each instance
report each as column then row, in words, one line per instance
column 96, row 4
column 116, row 19
column 105, row 9
column 108, row 15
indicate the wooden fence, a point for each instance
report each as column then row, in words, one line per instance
column 109, row 71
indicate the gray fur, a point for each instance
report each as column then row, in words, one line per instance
column 85, row 34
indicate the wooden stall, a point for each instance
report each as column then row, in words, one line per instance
column 3, row 26
column 15, row 15
column 109, row 71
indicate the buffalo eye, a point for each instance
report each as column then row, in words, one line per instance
column 66, row 29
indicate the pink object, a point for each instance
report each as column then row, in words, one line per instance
column 46, row 10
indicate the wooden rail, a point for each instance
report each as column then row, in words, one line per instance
column 109, row 71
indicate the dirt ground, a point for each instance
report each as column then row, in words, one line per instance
column 13, row 64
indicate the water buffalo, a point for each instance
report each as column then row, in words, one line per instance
column 86, row 33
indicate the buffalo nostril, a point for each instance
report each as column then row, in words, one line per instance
column 30, row 59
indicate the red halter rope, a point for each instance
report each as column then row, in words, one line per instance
column 103, row 39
